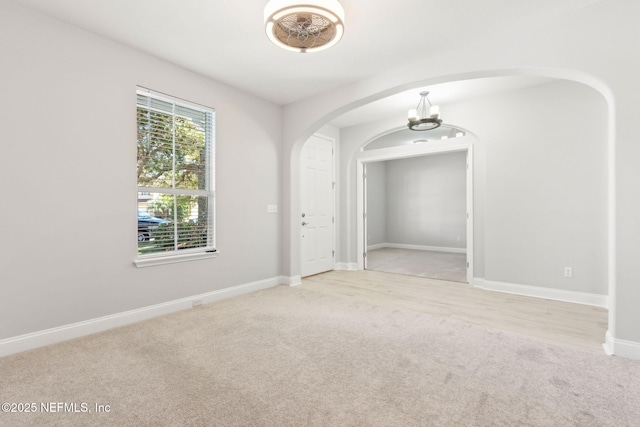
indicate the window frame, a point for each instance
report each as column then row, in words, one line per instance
column 185, row 254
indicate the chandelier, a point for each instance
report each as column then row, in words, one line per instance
column 307, row 26
column 423, row 118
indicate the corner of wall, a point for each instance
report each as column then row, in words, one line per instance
column 290, row 281
column 622, row 348
column 346, row 266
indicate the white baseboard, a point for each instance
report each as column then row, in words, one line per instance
column 291, row 281
column 540, row 292
column 609, row 344
column 417, row 248
column 622, row 348
column 75, row 330
column 346, row 266
column 377, row 246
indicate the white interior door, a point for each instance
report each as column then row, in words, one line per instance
column 317, row 212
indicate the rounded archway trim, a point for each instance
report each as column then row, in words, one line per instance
column 301, row 130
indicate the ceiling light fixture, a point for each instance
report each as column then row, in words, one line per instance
column 307, row 26
column 423, row 118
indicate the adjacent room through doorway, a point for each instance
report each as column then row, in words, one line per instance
column 417, row 216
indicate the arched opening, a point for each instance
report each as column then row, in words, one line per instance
column 405, row 136
column 415, row 203
column 607, row 173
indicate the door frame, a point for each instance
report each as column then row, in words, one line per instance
column 463, row 143
column 333, row 199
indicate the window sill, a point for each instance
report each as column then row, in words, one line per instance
column 172, row 259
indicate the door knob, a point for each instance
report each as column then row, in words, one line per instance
column 303, row 214
column 304, row 223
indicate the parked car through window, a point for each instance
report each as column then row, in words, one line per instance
column 146, row 224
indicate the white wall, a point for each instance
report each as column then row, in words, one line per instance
column 545, row 187
column 426, row 200
column 68, row 183
column 418, row 201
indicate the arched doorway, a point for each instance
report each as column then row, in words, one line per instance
column 431, row 229
column 349, row 252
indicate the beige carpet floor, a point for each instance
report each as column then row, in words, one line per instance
column 410, row 262
column 297, row 357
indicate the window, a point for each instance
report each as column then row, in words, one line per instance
column 175, row 173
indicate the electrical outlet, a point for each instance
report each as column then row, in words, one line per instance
column 458, row 238
column 568, row 272
column 196, row 303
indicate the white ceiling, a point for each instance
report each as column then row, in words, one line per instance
column 225, row 40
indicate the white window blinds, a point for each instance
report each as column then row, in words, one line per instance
column 175, row 171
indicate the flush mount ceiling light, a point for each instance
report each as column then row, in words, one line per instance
column 307, row 26
column 423, row 118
